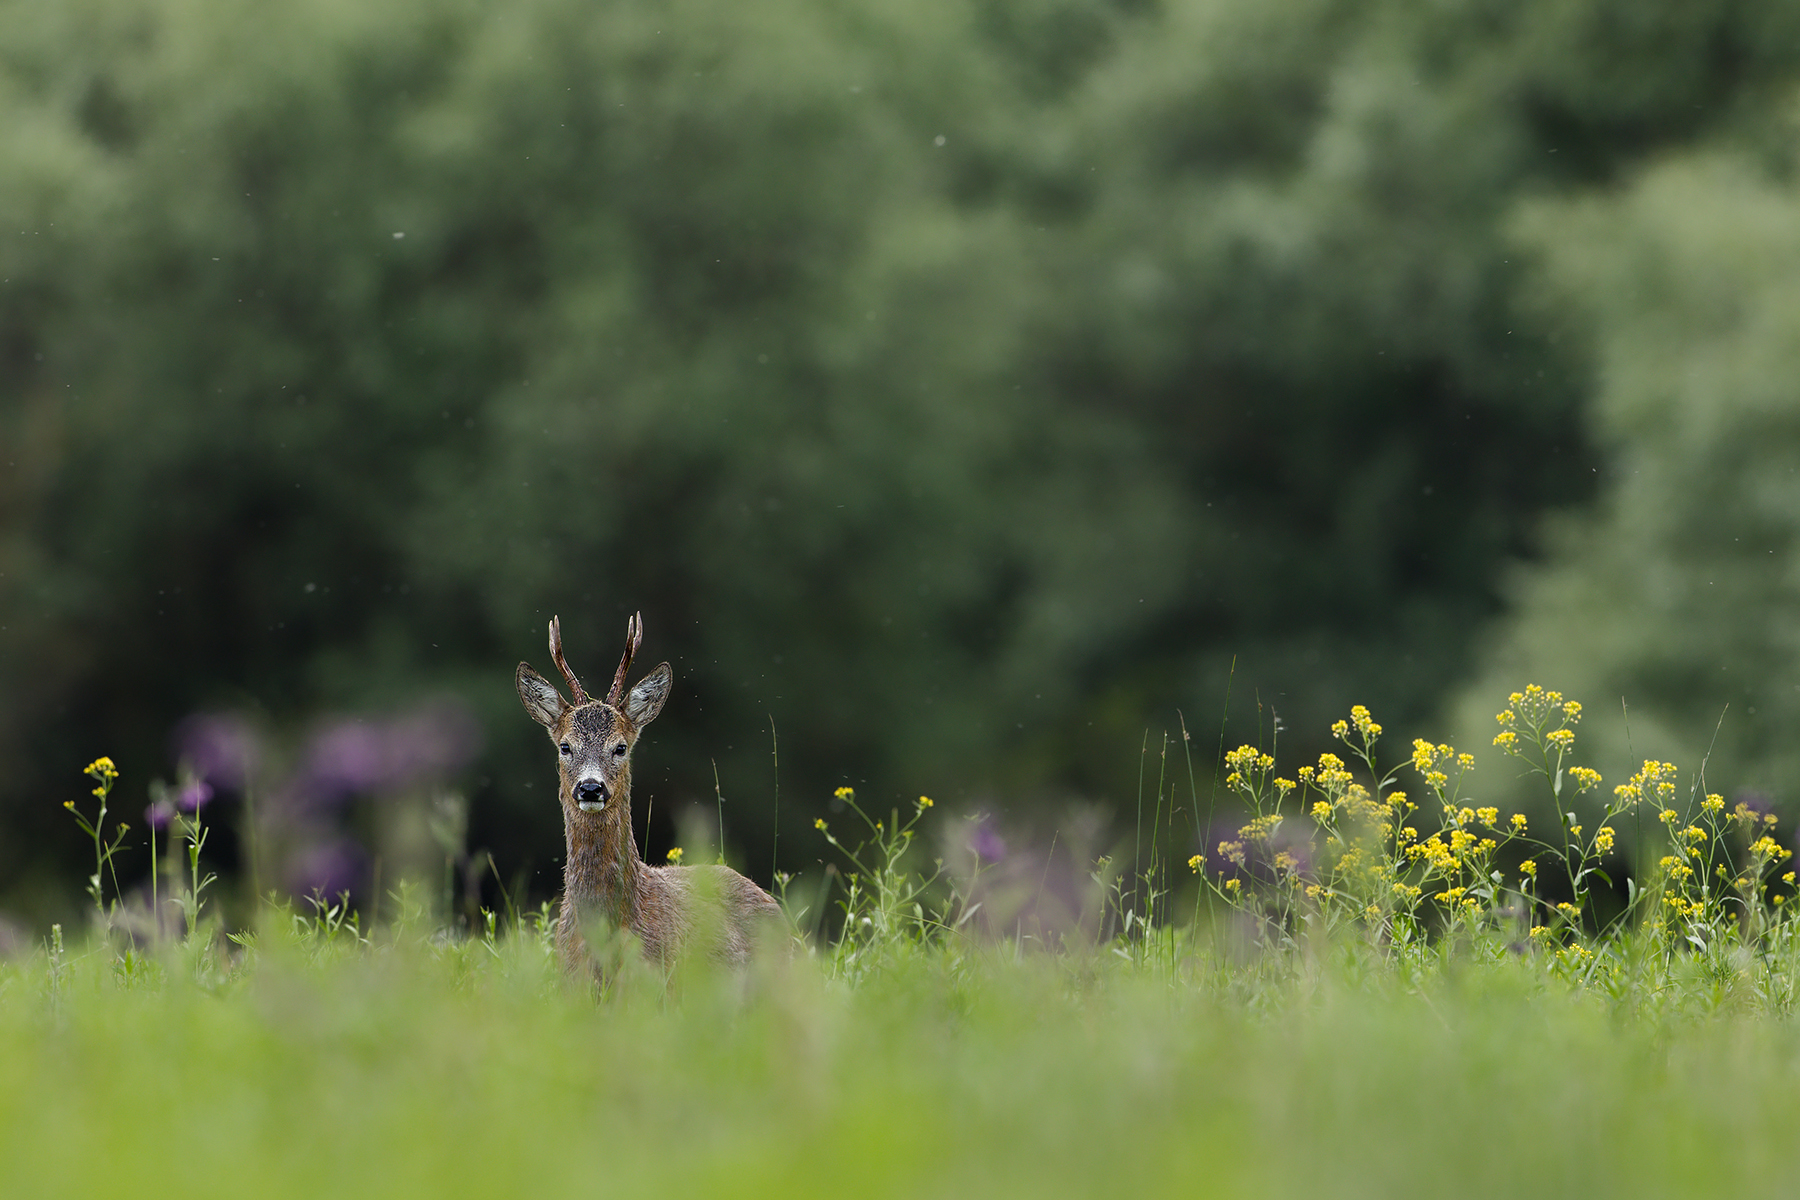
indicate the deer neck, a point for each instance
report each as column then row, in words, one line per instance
column 601, row 867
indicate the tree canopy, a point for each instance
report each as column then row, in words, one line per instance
column 956, row 386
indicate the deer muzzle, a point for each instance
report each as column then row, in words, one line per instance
column 590, row 795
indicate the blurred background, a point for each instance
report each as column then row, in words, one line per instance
column 964, row 390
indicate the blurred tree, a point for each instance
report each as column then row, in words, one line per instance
column 957, row 384
column 1680, row 593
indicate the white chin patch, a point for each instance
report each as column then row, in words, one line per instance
column 591, row 805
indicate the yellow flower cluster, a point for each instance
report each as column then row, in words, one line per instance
column 1518, row 822
column 1246, row 758
column 1260, row 827
column 1767, row 849
column 1683, row 907
column 1655, row 781
column 1603, row 840
column 1749, row 816
column 1675, row 869
column 844, row 793
column 1536, row 705
column 1585, row 778
column 1436, row 854
column 924, row 803
column 1713, row 803
column 1365, row 725
column 101, row 768
column 675, row 855
column 1331, row 776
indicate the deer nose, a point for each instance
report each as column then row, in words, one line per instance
column 590, row 795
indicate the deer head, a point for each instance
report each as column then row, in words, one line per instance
column 594, row 738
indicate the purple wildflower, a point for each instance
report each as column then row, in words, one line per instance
column 221, row 746
column 159, row 814
column 358, row 756
column 986, row 842
column 193, row 795
column 328, row 868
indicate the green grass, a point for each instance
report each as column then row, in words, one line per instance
column 413, row 1066
column 1350, row 1007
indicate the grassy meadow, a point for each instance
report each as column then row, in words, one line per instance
column 1321, row 1012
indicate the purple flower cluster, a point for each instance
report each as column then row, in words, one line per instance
column 365, row 757
column 222, row 749
column 342, row 759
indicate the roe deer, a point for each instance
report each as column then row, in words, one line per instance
column 603, row 878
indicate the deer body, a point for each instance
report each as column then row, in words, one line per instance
column 671, row 910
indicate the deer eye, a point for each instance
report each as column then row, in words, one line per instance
column 565, row 748
column 619, row 750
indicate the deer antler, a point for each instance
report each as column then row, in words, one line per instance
column 562, row 664
column 634, row 637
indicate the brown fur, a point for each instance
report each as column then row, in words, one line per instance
column 671, row 910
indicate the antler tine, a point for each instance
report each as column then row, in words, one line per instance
column 634, row 637
column 562, row 664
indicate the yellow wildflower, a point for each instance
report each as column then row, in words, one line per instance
column 1232, row 885
column 844, row 793
column 1508, row 741
column 924, row 802
column 1562, row 739
column 1518, row 822
column 1603, row 839
column 1713, row 802
column 1196, row 862
column 675, row 855
column 1528, row 867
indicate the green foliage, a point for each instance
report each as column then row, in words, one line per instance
column 1676, row 595
column 956, row 381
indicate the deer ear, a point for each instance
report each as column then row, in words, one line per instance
column 543, row 703
column 645, row 700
